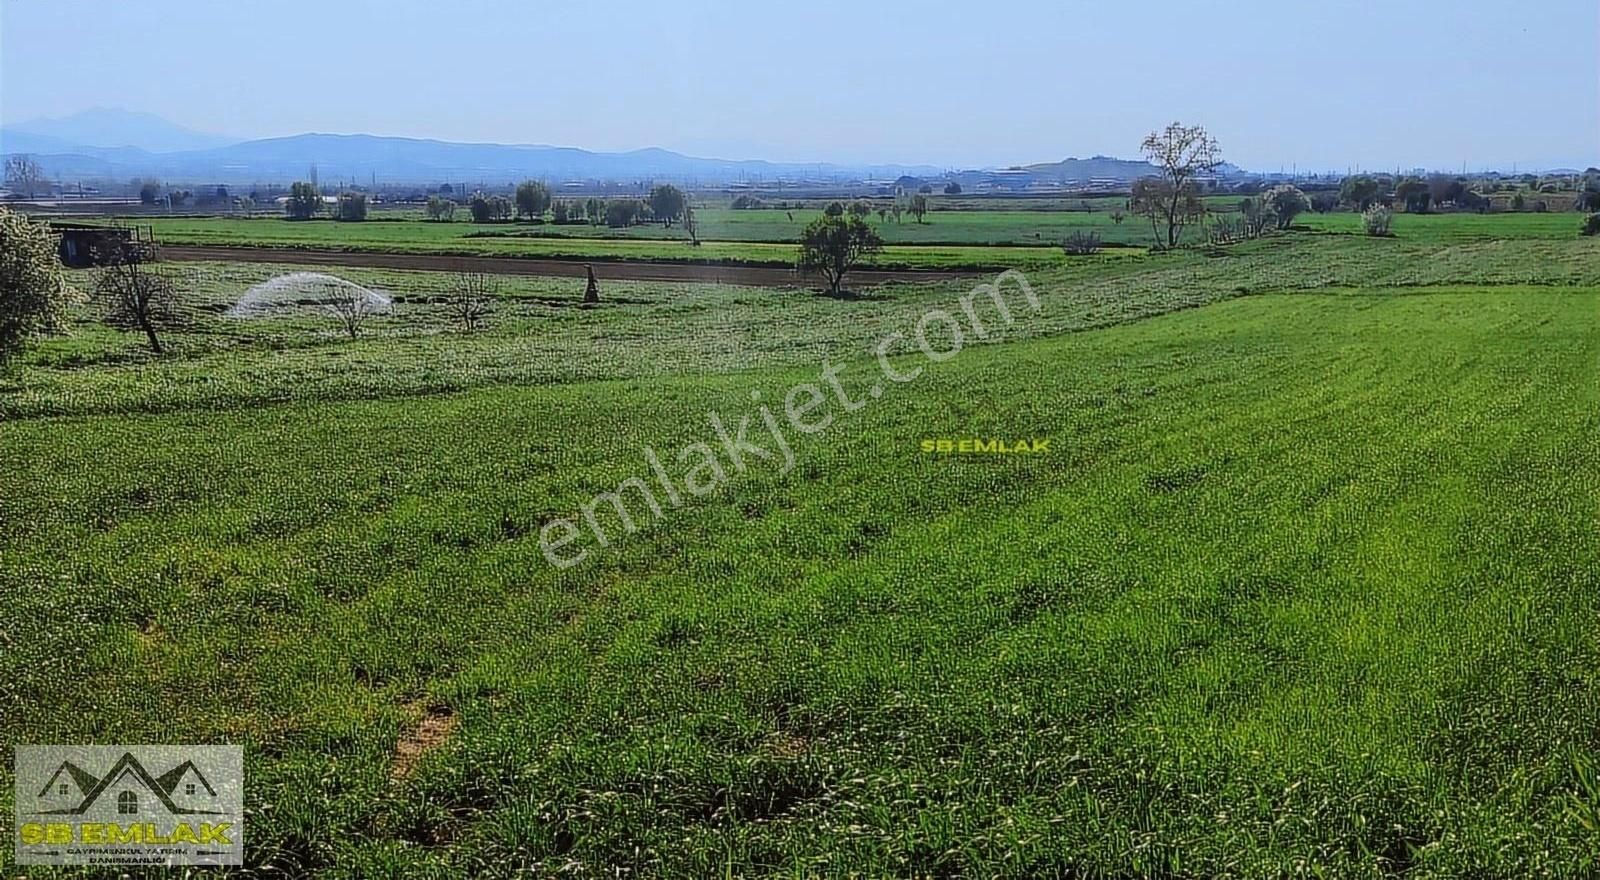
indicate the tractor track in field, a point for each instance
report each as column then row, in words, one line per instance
column 605, row 270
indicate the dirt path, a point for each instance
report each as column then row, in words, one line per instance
column 750, row 276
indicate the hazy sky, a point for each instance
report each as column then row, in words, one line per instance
column 1325, row 84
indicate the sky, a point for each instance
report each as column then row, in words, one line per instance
column 1307, row 84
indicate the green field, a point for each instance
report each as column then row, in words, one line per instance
column 1307, row 584
column 969, row 239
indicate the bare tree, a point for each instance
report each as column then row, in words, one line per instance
column 1181, row 153
column 139, row 296
column 471, row 298
column 24, row 175
column 350, row 304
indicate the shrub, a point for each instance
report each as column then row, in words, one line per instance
column 1376, row 220
column 1518, row 202
column 1591, row 224
column 1541, row 206
column 746, row 203
column 33, row 290
column 1081, row 244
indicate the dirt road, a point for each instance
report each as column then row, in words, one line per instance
column 751, row 276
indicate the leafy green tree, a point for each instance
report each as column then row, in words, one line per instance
column 533, row 199
column 1359, row 192
column 859, row 208
column 149, row 192
column 304, row 201
column 1414, row 195
column 952, row 189
column 33, row 289
column 595, row 210
column 667, row 203
column 834, row 244
column 1446, row 190
column 622, row 213
column 478, row 204
column 352, row 207
column 834, row 209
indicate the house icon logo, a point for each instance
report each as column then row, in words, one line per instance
column 144, row 805
column 181, row 791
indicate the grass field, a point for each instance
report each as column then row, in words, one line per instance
column 955, row 239
column 1306, row 585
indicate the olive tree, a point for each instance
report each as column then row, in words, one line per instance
column 667, row 203
column 33, row 290
column 833, row 244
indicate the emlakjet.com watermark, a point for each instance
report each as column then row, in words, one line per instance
column 759, row 439
column 130, row 805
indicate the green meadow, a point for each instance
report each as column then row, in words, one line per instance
column 1306, row 584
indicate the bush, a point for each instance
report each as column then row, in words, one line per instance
column 746, row 203
column 1591, row 224
column 1081, row 244
column 33, row 290
column 1541, row 206
column 1376, row 220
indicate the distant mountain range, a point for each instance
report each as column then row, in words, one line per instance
column 117, row 144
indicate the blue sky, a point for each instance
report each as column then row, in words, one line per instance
column 1330, row 84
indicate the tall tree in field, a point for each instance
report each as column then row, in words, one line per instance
column 304, row 201
column 24, row 175
column 834, row 244
column 33, row 289
column 667, row 203
column 533, row 199
column 1180, row 153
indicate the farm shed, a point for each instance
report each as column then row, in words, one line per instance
column 85, row 244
